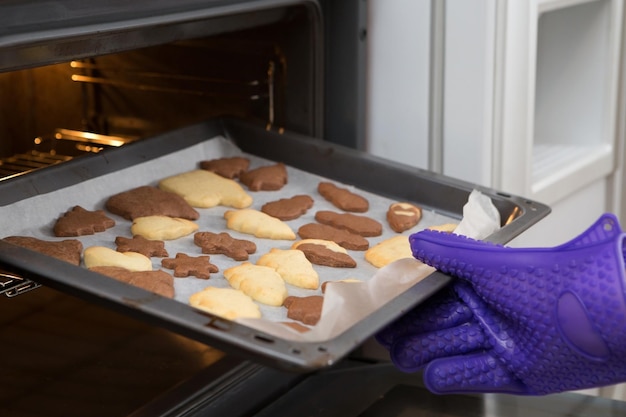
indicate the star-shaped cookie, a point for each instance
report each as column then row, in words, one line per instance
column 225, row 244
column 141, row 245
column 185, row 265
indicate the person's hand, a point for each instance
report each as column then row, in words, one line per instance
column 522, row 321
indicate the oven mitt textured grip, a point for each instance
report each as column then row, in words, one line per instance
column 526, row 321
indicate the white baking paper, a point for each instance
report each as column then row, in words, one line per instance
column 344, row 304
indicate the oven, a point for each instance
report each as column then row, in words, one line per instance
column 98, row 93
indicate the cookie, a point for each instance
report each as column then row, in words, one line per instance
column 228, row 303
column 403, row 216
column 185, row 265
column 325, row 253
column 103, row 256
column 80, row 222
column 389, row 250
column 360, row 225
column 341, row 237
column 262, row 283
column 206, row 189
column 266, row 178
column 150, row 201
column 296, row 326
column 259, row 224
column 162, row 227
column 288, row 208
column 343, row 198
column 141, row 245
column 158, row 282
column 68, row 250
column 446, row 227
column 292, row 266
column 227, row 167
column 347, row 280
column 224, row 244
column 308, row 310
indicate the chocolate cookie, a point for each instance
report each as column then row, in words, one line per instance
column 80, row 222
column 141, row 245
column 325, row 284
column 150, row 201
column 288, row 208
column 403, row 216
column 225, row 244
column 296, row 326
column 305, row 309
column 361, row 225
column 321, row 255
column 158, row 282
column 66, row 250
column 227, row 167
column 343, row 198
column 266, row 178
column 343, row 238
column 185, row 265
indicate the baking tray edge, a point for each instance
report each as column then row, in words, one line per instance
column 314, row 155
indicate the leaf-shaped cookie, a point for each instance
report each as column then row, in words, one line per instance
column 261, row 283
column 292, row 266
column 103, row 256
column 259, row 224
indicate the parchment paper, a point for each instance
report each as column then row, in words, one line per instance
column 344, row 304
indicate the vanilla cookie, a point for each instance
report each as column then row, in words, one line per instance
column 446, row 227
column 204, row 189
column 292, row 266
column 228, row 303
column 162, row 227
column 262, row 283
column 259, row 224
column 388, row 251
column 102, row 256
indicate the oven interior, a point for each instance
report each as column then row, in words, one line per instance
column 267, row 74
column 71, row 96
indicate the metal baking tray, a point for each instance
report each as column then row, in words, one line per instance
column 364, row 171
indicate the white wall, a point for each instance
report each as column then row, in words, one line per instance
column 397, row 107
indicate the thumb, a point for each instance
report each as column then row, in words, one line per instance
column 478, row 372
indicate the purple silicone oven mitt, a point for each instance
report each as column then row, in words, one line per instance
column 527, row 321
